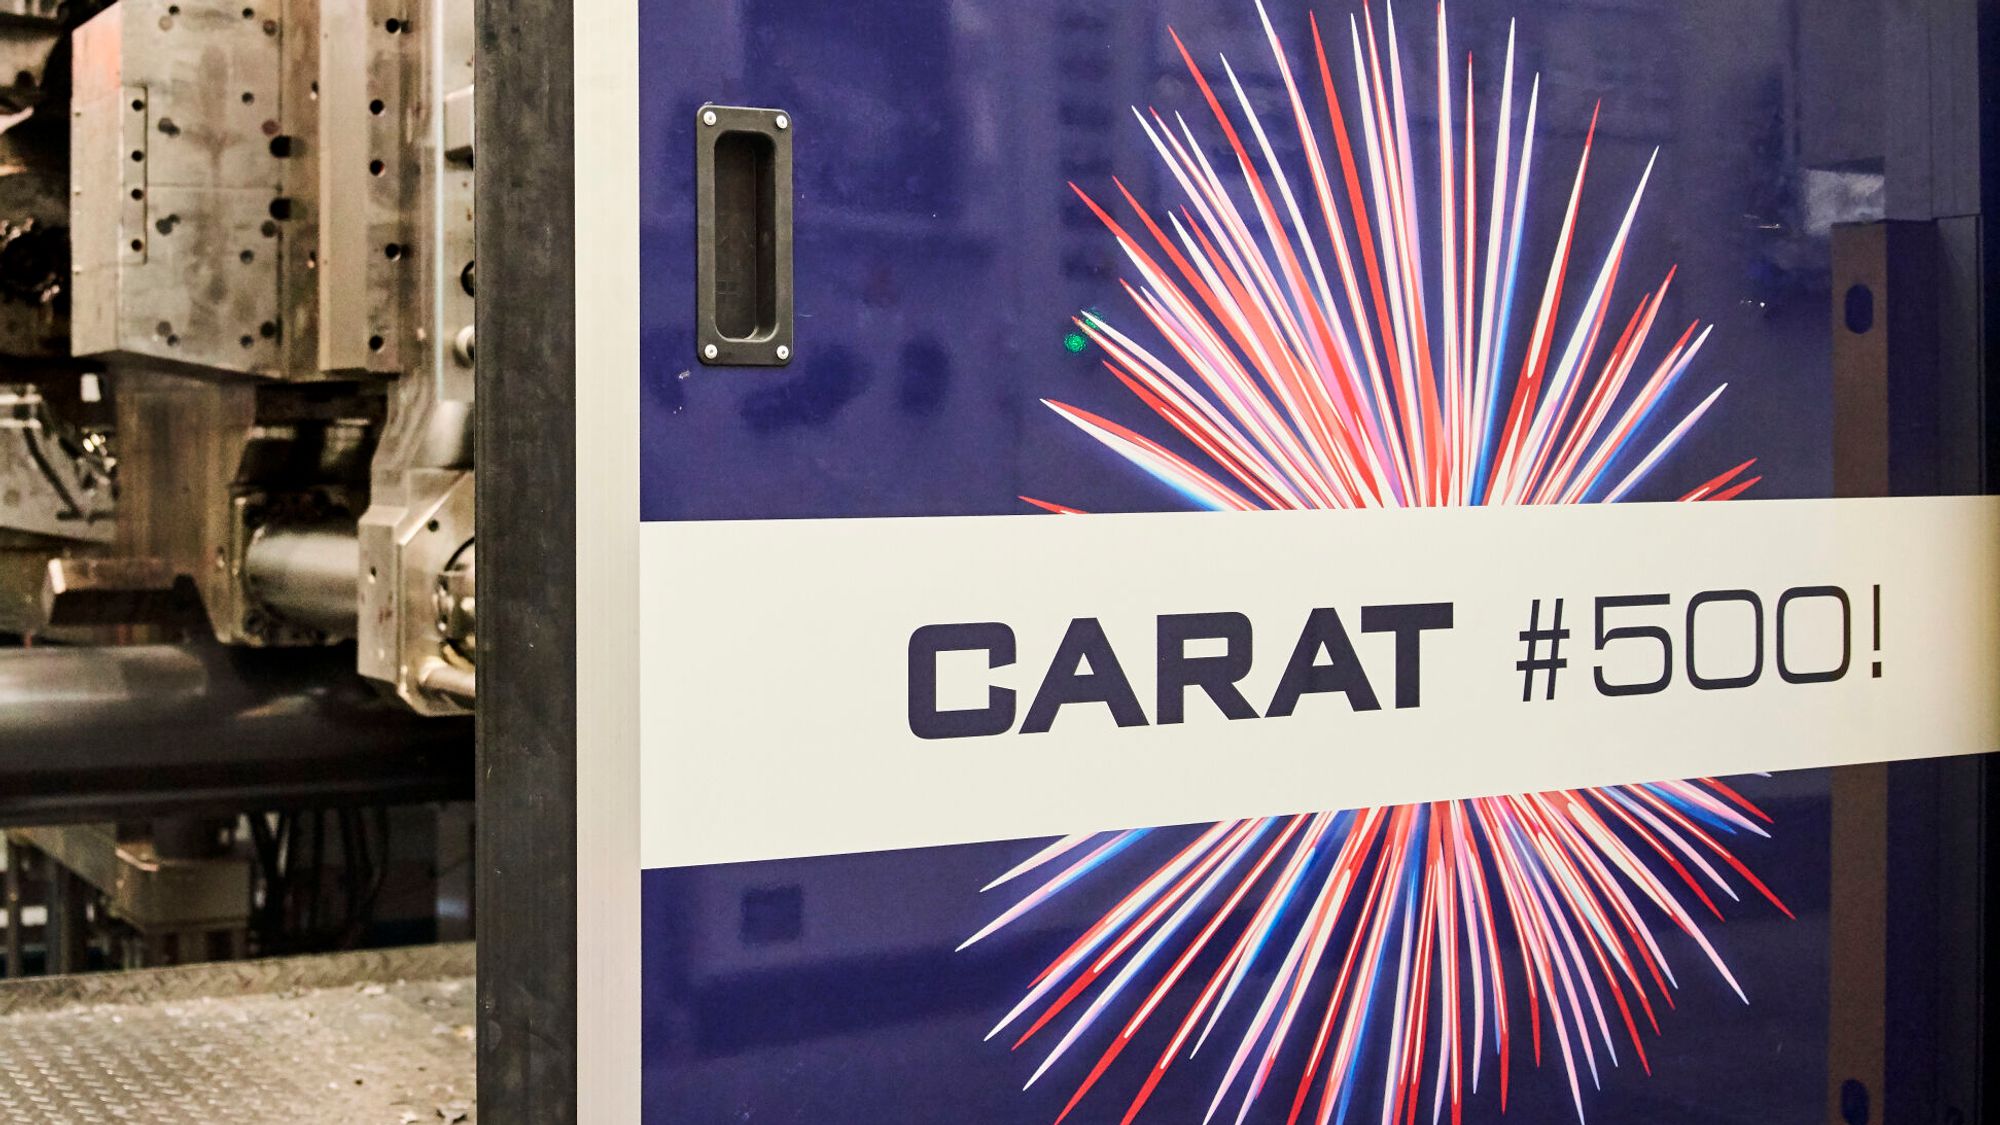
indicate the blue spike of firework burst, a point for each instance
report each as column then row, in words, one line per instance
column 1293, row 388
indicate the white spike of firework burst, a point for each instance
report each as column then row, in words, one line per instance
column 1318, row 388
column 1305, row 386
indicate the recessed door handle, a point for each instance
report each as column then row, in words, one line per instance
column 743, row 185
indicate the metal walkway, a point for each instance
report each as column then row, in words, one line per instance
column 352, row 1038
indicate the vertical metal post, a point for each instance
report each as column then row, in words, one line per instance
column 13, row 857
column 525, row 414
column 1866, row 324
column 68, row 941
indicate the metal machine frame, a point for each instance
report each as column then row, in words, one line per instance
column 525, row 421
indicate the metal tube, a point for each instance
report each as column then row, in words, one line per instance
column 309, row 576
column 449, row 679
column 124, row 732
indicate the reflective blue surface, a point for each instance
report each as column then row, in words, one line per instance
column 940, row 259
column 941, row 256
column 827, row 990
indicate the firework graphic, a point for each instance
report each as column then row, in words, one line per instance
column 1369, row 944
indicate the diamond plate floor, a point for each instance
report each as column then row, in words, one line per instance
column 348, row 1038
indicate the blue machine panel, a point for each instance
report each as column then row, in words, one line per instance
column 952, row 279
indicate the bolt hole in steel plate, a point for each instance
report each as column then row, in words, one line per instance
column 1858, row 309
column 743, row 189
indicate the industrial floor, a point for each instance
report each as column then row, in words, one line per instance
column 352, row 1038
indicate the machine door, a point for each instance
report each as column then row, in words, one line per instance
column 1275, row 562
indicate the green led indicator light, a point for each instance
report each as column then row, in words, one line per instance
column 1075, row 342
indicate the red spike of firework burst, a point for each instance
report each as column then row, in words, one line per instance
column 1304, row 387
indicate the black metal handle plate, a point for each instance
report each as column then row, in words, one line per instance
column 743, row 189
